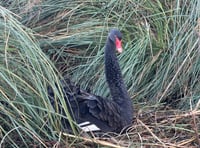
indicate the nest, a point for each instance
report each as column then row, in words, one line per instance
column 162, row 128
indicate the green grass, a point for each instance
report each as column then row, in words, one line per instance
column 25, row 73
column 160, row 62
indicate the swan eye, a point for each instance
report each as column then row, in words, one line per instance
column 118, row 44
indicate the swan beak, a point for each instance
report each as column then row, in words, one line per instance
column 119, row 50
column 118, row 45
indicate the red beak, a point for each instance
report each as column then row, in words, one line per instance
column 118, row 44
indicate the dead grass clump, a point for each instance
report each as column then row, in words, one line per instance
column 161, row 128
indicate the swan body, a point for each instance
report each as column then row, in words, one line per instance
column 94, row 113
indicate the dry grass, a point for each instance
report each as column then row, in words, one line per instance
column 162, row 128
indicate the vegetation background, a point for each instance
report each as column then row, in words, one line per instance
column 43, row 40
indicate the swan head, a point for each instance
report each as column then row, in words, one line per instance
column 116, row 37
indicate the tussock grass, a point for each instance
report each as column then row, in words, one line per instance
column 25, row 73
column 160, row 65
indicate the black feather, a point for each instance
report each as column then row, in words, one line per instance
column 109, row 115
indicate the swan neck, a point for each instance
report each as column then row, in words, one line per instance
column 113, row 73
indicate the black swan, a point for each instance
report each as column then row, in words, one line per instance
column 93, row 113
